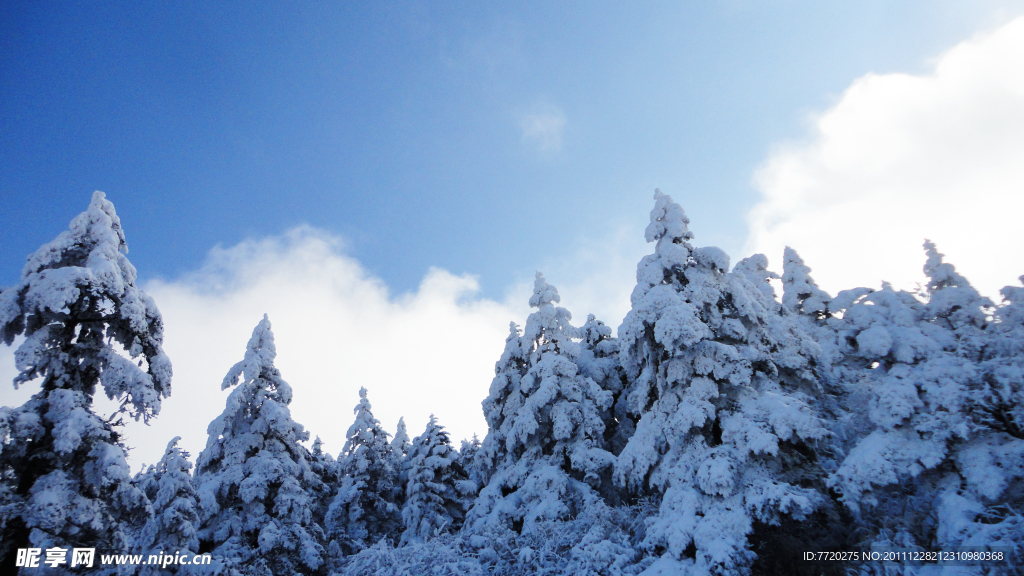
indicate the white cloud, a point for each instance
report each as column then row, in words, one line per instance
column 542, row 127
column 901, row 158
column 338, row 328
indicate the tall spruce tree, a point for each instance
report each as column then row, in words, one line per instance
column 257, row 488
column 722, row 389
column 65, row 479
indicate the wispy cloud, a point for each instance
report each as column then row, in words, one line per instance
column 901, row 158
column 542, row 127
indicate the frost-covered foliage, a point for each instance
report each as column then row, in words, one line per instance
column 939, row 460
column 63, row 468
column 174, row 525
column 400, row 443
column 726, row 430
column 436, row 488
column 367, row 507
column 799, row 291
column 257, row 487
column 545, row 449
column 723, row 392
column 470, row 460
column 600, row 541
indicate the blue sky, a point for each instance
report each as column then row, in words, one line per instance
column 398, row 125
column 384, row 178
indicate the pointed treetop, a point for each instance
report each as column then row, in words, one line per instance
column 543, row 293
column 364, row 422
column 940, row 274
column 548, row 321
column 669, row 228
column 799, row 291
column 400, row 443
column 172, row 447
column 94, row 239
column 950, row 295
column 258, row 363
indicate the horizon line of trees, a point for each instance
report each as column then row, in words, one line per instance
column 722, row 431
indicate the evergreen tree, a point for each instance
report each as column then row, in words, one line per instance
column 723, row 391
column 173, row 527
column 65, row 480
column 257, row 487
column 437, row 486
column 366, row 508
column 545, row 449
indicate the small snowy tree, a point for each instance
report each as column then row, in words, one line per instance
column 257, row 489
column 174, row 525
column 437, row 486
column 399, row 452
column 63, row 468
column 365, row 509
column 469, row 456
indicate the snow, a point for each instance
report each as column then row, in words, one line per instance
column 724, row 431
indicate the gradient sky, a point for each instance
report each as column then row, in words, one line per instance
column 400, row 126
column 373, row 173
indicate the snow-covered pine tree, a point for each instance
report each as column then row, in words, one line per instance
column 65, row 478
column 173, row 527
column 436, row 488
column 722, row 389
column 257, row 489
column 545, row 448
column 366, row 508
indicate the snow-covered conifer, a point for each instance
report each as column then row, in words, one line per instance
column 436, row 488
column 66, row 480
column 257, row 489
column 545, row 446
column 722, row 388
column 173, row 527
column 366, row 507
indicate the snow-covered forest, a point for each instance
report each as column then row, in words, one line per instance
column 724, row 429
